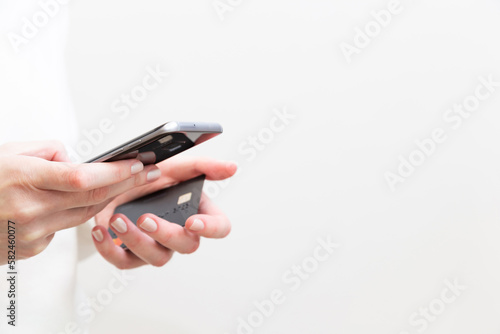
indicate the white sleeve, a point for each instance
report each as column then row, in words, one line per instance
column 86, row 245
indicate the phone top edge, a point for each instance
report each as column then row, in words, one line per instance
column 169, row 127
column 193, row 126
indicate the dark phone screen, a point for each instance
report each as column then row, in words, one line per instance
column 158, row 149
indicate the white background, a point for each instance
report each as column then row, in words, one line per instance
column 323, row 175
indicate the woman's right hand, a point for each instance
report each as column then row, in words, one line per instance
column 42, row 192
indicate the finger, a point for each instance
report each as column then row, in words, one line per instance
column 115, row 255
column 178, row 170
column 69, row 218
column 61, row 210
column 51, row 150
column 29, row 248
column 139, row 243
column 82, row 177
column 211, row 222
column 103, row 217
column 59, row 200
column 168, row 234
column 78, row 215
column 186, row 168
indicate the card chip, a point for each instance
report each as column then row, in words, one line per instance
column 184, row 198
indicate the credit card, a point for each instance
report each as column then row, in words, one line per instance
column 174, row 204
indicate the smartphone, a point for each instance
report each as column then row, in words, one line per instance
column 174, row 204
column 162, row 142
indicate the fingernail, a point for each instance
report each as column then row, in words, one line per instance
column 97, row 235
column 153, row 175
column 147, row 157
column 149, row 225
column 119, row 225
column 197, row 225
column 137, row 167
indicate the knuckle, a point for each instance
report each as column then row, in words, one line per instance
column 33, row 234
column 165, row 237
column 24, row 214
column 35, row 250
column 88, row 213
column 125, row 263
column 133, row 240
column 14, row 173
column 99, row 195
column 56, row 145
column 139, row 180
column 85, row 214
column 122, row 265
column 78, row 179
column 119, row 172
column 161, row 260
column 50, row 237
column 158, row 263
column 81, row 215
column 104, row 251
column 193, row 248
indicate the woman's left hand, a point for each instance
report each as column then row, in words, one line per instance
column 154, row 239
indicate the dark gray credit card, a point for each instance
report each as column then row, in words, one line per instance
column 174, row 204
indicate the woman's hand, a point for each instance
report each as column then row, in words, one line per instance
column 42, row 192
column 154, row 239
